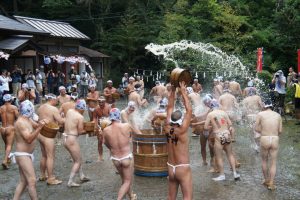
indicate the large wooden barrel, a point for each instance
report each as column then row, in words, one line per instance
column 150, row 154
column 178, row 75
column 297, row 113
column 50, row 130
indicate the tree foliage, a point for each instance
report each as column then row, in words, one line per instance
column 122, row 29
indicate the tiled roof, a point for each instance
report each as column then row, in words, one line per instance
column 8, row 24
column 91, row 53
column 55, row 28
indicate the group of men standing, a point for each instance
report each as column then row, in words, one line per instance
column 177, row 108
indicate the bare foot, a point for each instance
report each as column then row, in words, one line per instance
column 271, row 186
column 5, row 166
column 212, row 170
column 265, row 183
column 100, row 159
column 53, row 181
column 43, row 178
column 204, row 163
column 133, row 196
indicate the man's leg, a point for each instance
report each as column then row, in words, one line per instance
column 74, row 149
column 100, row 147
column 50, row 155
column 231, row 159
column 49, row 147
column 9, row 142
column 186, row 184
column 125, row 170
column 264, row 162
column 211, row 143
column 21, row 185
column 26, row 165
column 43, row 162
column 273, row 154
column 219, row 160
column 172, row 185
column 203, row 141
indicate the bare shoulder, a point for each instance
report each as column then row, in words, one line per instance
column 106, row 130
column 210, row 114
column 14, row 107
column 19, row 124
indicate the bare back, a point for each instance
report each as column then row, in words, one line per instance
column 74, row 122
column 9, row 114
column 65, row 107
column 47, row 111
column 227, row 102
column 252, row 104
column 134, row 96
column 63, row 99
column 117, row 138
column 219, row 121
column 235, row 88
column 268, row 123
column 196, row 99
column 217, row 91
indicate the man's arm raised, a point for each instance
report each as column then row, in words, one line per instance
column 187, row 105
column 171, row 102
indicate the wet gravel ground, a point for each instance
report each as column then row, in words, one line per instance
column 105, row 182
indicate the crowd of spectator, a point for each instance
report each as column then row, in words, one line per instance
column 20, row 83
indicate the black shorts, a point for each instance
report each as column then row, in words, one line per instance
column 297, row 103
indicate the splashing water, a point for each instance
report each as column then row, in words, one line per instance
column 203, row 57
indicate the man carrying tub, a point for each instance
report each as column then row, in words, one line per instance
column 51, row 113
column 176, row 129
column 25, row 143
column 74, row 128
column 117, row 140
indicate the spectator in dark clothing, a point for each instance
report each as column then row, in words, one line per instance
column 16, row 77
column 50, row 81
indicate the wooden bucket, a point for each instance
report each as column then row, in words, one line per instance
column 297, row 113
column 50, row 130
column 150, row 154
column 89, row 127
column 178, row 75
column 115, row 96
